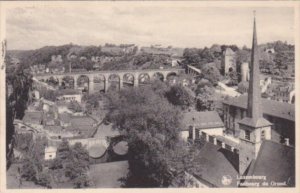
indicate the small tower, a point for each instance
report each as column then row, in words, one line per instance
column 228, row 61
column 253, row 128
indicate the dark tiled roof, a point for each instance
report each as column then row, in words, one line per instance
column 269, row 107
column 79, row 121
column 33, row 117
column 202, row 120
column 275, row 161
column 54, row 128
column 261, row 122
column 213, row 162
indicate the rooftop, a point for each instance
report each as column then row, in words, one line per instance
column 33, row 117
column 202, row 120
column 108, row 175
column 269, row 107
column 69, row 92
column 275, row 157
column 212, row 162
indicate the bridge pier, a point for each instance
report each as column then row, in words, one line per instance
column 91, row 87
column 120, row 83
column 106, row 85
column 135, row 80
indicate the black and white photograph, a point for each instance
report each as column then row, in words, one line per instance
column 149, row 94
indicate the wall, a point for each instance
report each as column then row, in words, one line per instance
column 214, row 131
column 281, row 128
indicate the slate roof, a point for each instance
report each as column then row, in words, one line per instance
column 213, row 162
column 260, row 122
column 269, row 107
column 275, row 161
column 53, row 128
column 202, row 120
column 82, row 122
column 35, row 117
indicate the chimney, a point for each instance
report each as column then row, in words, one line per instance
column 223, row 145
column 215, row 141
column 287, row 141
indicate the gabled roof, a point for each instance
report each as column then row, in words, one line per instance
column 275, row 161
column 202, row 120
column 269, row 107
column 213, row 162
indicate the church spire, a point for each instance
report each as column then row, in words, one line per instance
column 254, row 94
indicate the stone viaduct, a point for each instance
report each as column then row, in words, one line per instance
column 133, row 77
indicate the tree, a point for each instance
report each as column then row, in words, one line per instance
column 179, row 96
column 211, row 73
column 150, row 124
column 204, row 98
column 74, row 161
column 16, row 103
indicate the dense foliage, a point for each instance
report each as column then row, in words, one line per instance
column 73, row 163
column 151, row 125
column 16, row 103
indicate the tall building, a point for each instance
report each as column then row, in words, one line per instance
column 254, row 128
column 224, row 160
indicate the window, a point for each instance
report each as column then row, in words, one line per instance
column 247, row 135
column 263, row 136
column 190, row 132
column 197, row 134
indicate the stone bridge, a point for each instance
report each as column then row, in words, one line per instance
column 133, row 77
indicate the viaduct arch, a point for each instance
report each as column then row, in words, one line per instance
column 107, row 78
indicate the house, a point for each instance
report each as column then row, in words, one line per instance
column 33, row 118
column 260, row 160
column 58, row 132
column 195, row 122
column 281, row 115
column 50, row 152
column 69, row 95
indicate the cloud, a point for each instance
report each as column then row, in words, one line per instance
column 35, row 26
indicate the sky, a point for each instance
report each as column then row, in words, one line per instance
column 185, row 25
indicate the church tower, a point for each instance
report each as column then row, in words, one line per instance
column 253, row 128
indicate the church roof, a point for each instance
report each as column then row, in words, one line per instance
column 269, row 107
column 275, row 161
column 213, row 162
column 260, row 122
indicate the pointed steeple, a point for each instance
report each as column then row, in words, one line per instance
column 254, row 95
column 254, row 116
